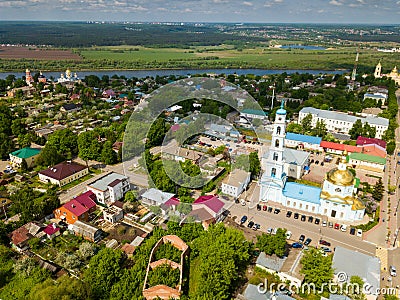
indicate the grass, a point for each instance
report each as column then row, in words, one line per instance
column 194, row 277
column 257, row 57
column 76, row 182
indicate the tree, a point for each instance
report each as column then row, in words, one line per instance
column 155, row 209
column 320, row 129
column 273, row 244
column 49, row 156
column 156, row 133
column 184, row 208
column 390, row 147
column 316, row 268
column 130, row 196
column 108, row 155
column 356, row 130
column 6, row 145
column 72, row 262
column 368, row 131
column 104, row 271
column 24, row 165
column 306, row 123
column 164, row 274
column 294, row 127
column 377, row 193
column 255, row 166
column 65, row 141
column 354, row 290
column 86, row 250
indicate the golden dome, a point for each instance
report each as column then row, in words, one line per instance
column 340, row 177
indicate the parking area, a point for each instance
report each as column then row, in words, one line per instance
column 319, row 166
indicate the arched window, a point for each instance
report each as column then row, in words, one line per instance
column 278, row 130
column 275, row 156
column 273, row 172
column 277, row 143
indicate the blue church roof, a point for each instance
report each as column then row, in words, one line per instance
column 303, row 138
column 302, row 192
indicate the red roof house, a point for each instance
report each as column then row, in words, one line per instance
column 339, row 148
column 368, row 141
column 77, row 209
column 52, row 230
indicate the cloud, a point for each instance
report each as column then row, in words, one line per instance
column 247, row 3
column 335, row 2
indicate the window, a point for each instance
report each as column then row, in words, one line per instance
column 306, row 207
column 341, row 215
column 313, row 208
column 277, row 143
column 288, row 203
column 275, row 156
column 273, row 172
column 338, row 190
column 300, row 205
column 278, row 130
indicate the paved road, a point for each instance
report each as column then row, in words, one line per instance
column 297, row 227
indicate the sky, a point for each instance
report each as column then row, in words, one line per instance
column 247, row 11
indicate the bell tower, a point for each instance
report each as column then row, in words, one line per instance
column 378, row 70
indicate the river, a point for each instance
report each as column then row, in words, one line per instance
column 163, row 72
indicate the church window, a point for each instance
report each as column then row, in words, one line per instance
column 278, row 130
column 294, row 204
column 341, row 215
column 288, row 203
column 325, row 211
column 277, row 143
column 338, row 190
column 273, row 172
column 313, row 208
column 307, row 207
column 275, row 156
column 300, row 205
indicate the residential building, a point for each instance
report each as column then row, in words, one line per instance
column 342, row 122
column 212, row 204
column 77, row 209
column 88, row 232
column 182, row 154
column 114, row 212
column 367, row 267
column 20, row 236
column 253, row 114
column 29, row 154
column 367, row 162
column 376, row 96
column 222, row 132
column 301, row 141
column 336, row 199
column 155, row 197
column 52, row 231
column 236, row 182
column 110, row 188
column 70, row 107
column 63, row 173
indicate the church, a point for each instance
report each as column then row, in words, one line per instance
column 394, row 74
column 335, row 200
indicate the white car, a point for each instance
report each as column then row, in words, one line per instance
column 324, row 224
column 269, row 230
column 274, row 231
column 359, row 232
column 343, row 228
column 242, row 202
column 393, row 271
column 288, row 235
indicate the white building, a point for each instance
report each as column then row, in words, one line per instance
column 63, row 173
column 253, row 114
column 335, row 200
column 156, row 197
column 342, row 122
column 236, row 183
column 113, row 213
column 109, row 188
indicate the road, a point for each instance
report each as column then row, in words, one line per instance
column 297, row 227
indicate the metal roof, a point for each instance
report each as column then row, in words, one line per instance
column 302, row 192
column 303, row 138
column 103, row 182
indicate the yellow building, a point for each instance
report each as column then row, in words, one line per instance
column 394, row 74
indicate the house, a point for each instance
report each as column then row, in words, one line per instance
column 182, row 154
column 212, row 204
column 114, row 212
column 109, row 188
column 26, row 91
column 361, row 141
column 63, row 173
column 86, row 231
column 367, row 267
column 376, row 96
column 367, row 162
column 52, row 231
column 301, row 141
column 128, row 249
column 342, row 122
column 155, row 197
column 223, row 132
column 109, row 94
column 371, row 112
column 20, row 236
column 70, row 107
column 236, row 182
column 253, row 114
column 29, row 154
column 336, row 148
column 77, row 209
column 117, row 145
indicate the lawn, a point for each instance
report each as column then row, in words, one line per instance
column 76, row 182
column 194, row 276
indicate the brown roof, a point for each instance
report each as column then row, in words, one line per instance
column 20, row 235
column 114, row 183
column 119, row 204
column 128, row 249
column 63, row 170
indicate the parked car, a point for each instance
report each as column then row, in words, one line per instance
column 343, row 228
column 250, row 225
column 303, row 218
column 274, row 231
column 317, row 162
column 258, row 207
column 243, row 219
column 256, row 226
column 264, row 207
column 330, row 224
column 297, row 245
column 337, row 226
column 308, row 241
column 325, row 243
column 296, row 215
column 277, row 211
column 310, row 219
column 302, row 238
column 359, row 232
column 393, row 271
column 317, row 221
column 269, row 209
column 288, row 235
column 269, row 230
column 289, row 214
column 324, row 223
column 242, row 202
column 326, row 249
column 352, row 231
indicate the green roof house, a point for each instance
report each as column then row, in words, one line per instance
column 28, row 153
column 367, row 162
column 253, row 114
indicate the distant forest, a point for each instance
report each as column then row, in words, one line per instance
column 82, row 34
column 78, row 34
